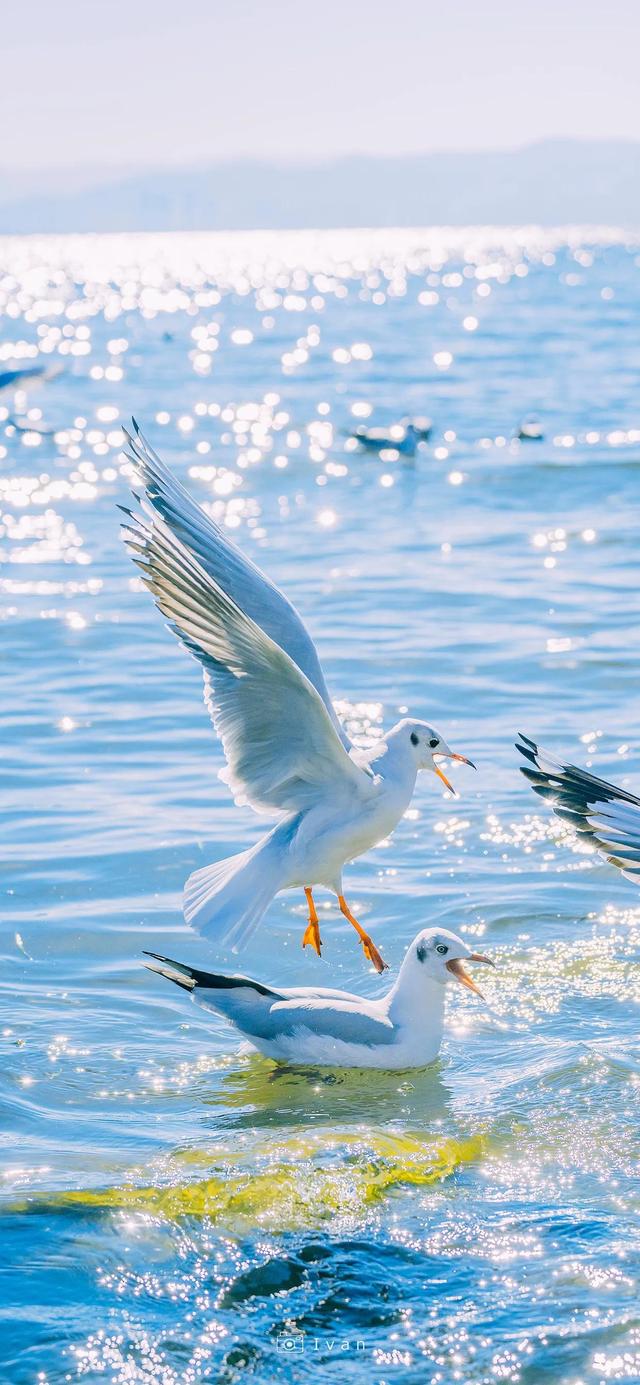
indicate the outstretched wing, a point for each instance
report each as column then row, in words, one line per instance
column 282, row 748
column 251, row 590
column 607, row 816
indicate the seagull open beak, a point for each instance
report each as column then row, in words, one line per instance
column 456, row 968
column 449, row 755
column 463, row 760
column 443, row 777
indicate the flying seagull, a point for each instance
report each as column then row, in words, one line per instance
column 294, row 1024
column 287, row 753
column 607, row 816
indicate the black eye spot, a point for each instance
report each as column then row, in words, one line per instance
column 415, row 739
column 421, row 952
column 434, row 742
column 442, row 949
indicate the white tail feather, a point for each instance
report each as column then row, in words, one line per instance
column 226, row 900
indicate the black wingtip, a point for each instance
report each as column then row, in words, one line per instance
column 530, row 755
column 180, row 975
column 160, row 957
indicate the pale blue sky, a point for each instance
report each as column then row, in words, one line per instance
column 141, row 82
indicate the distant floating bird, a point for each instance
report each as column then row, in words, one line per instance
column 423, row 427
column 607, row 816
column 530, row 430
column 287, row 753
column 11, row 380
column 400, row 437
column 301, row 1024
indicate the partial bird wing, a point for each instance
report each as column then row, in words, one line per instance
column 607, row 816
column 261, row 1012
column 245, row 1002
column 251, row 590
column 348, row 1021
column 282, row 748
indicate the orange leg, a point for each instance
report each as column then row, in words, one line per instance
column 312, row 934
column 370, row 949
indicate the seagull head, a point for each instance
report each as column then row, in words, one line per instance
column 438, row 954
column 428, row 747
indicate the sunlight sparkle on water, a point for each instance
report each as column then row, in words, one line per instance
column 197, row 1200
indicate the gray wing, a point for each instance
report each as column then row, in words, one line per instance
column 351, row 1021
column 606, row 815
column 261, row 1012
column 231, row 569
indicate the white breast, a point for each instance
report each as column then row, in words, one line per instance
column 304, row 1046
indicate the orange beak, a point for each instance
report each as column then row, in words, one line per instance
column 456, row 968
column 444, row 779
column 463, row 760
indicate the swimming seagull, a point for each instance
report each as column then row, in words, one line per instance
column 294, row 1024
column 530, row 430
column 607, row 816
column 287, row 753
column 402, row 438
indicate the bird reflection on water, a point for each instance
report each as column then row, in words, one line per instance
column 264, row 1094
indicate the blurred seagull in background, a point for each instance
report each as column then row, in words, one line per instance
column 530, row 430
column 17, row 383
column 402, row 437
column 402, row 1029
column 607, row 816
column 26, row 377
column 287, row 753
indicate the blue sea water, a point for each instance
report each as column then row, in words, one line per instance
column 174, row 1210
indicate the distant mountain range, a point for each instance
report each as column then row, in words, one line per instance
column 553, row 182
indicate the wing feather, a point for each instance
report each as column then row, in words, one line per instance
column 606, row 815
column 346, row 1021
column 281, row 745
column 260, row 1012
column 231, row 569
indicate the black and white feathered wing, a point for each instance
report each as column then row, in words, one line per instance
column 261, row 1013
column 606, row 815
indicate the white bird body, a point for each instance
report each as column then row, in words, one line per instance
column 323, row 844
column 414, row 1045
column 333, row 1028
column 287, row 754
column 313, row 845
